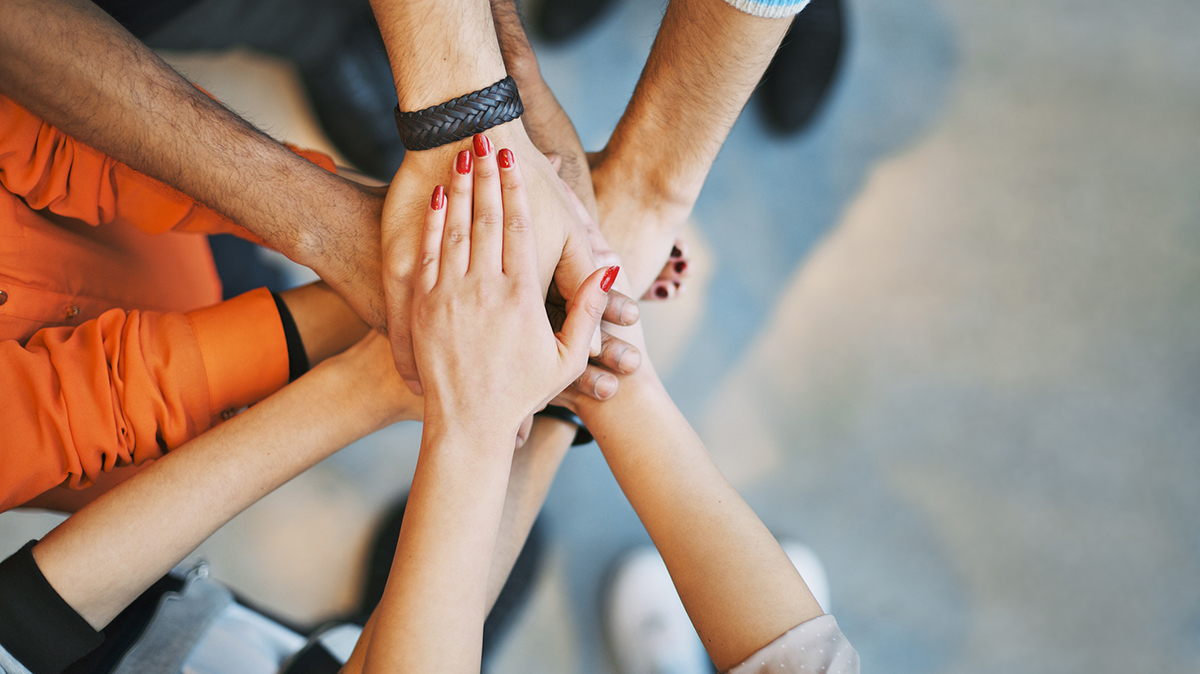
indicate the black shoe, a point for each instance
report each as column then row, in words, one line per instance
column 561, row 20
column 800, row 77
column 513, row 596
column 353, row 93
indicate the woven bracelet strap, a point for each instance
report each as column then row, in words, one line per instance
column 460, row 118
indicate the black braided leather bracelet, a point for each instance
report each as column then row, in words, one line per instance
column 461, row 117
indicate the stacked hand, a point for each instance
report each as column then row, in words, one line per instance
column 484, row 348
column 563, row 252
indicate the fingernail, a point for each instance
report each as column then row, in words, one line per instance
column 680, row 266
column 661, row 292
column 630, row 360
column 505, row 157
column 675, row 252
column 463, row 164
column 630, row 313
column 605, row 386
column 482, row 145
column 414, row 386
column 439, row 198
column 609, row 277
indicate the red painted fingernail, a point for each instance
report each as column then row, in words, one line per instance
column 609, row 277
column 505, row 157
column 675, row 252
column 661, row 292
column 439, row 198
column 680, row 266
column 482, row 145
column 463, row 164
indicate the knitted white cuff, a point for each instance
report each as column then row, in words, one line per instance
column 770, row 9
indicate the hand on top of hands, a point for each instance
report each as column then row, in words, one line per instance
column 484, row 348
column 563, row 251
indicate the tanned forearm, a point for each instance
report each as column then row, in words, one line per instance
column 72, row 65
column 327, row 325
column 705, row 62
column 548, row 125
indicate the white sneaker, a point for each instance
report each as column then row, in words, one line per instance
column 811, row 570
column 648, row 629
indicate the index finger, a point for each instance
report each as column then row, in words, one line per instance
column 520, row 247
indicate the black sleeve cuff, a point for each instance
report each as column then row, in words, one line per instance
column 37, row 627
column 582, row 436
column 297, row 355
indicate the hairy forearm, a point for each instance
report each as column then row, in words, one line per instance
column 548, row 125
column 107, row 554
column 439, row 49
column 738, row 586
column 72, row 65
column 705, row 62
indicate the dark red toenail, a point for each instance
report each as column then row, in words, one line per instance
column 680, row 266
column 661, row 292
column 675, row 252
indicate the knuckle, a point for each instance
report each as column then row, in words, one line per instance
column 518, row 223
column 490, row 218
column 485, row 169
column 456, row 235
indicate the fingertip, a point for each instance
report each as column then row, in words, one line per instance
column 630, row 361
column 414, row 385
column 605, row 386
column 610, row 277
column 630, row 312
column 462, row 163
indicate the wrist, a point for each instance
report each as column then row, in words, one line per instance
column 435, row 162
column 648, row 185
column 635, row 394
column 471, row 432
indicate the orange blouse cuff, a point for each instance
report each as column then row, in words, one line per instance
column 244, row 350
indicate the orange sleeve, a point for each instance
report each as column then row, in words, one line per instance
column 127, row 387
column 52, row 170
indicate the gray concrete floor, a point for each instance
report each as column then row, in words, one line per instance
column 948, row 338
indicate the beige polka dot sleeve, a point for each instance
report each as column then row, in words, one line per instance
column 814, row 647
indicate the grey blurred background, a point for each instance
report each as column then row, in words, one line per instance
column 950, row 338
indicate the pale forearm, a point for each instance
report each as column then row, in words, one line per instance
column 432, row 612
column 705, row 62
column 738, row 586
column 72, row 65
column 107, row 554
column 533, row 468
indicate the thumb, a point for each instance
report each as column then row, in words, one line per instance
column 583, row 318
